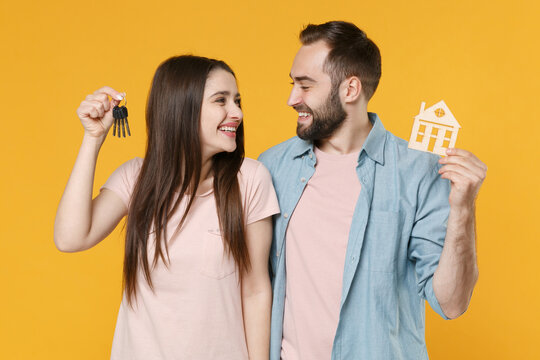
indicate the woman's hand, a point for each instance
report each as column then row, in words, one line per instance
column 95, row 111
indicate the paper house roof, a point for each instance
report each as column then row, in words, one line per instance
column 434, row 114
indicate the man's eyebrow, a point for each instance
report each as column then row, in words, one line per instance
column 302, row 78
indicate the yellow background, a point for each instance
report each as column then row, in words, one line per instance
column 480, row 56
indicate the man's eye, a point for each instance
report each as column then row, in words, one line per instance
column 304, row 87
column 292, row 83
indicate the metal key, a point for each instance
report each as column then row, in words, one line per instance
column 124, row 111
column 120, row 115
column 117, row 116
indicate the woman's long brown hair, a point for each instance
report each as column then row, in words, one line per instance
column 172, row 170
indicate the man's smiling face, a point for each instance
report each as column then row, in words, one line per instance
column 317, row 102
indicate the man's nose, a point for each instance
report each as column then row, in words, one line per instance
column 294, row 98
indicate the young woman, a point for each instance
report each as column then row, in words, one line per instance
column 198, row 232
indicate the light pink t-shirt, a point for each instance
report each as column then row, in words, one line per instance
column 317, row 238
column 196, row 309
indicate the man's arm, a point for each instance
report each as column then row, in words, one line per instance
column 457, row 272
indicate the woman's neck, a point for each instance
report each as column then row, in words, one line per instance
column 206, row 182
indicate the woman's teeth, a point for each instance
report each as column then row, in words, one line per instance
column 227, row 128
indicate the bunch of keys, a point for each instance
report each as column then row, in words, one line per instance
column 120, row 115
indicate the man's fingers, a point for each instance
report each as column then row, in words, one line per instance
column 454, row 177
column 466, row 163
column 463, row 171
column 467, row 155
column 459, row 152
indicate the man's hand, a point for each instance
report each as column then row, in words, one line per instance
column 466, row 174
column 457, row 272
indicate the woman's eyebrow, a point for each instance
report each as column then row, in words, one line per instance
column 224, row 92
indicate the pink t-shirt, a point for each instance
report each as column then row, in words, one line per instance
column 317, row 238
column 196, row 309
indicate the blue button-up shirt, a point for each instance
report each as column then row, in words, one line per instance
column 395, row 242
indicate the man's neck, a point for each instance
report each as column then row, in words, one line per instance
column 349, row 137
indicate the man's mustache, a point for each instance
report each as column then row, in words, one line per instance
column 303, row 108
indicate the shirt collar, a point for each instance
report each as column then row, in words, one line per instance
column 376, row 140
column 373, row 146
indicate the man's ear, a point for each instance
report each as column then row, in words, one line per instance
column 352, row 89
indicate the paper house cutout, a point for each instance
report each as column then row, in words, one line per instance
column 434, row 130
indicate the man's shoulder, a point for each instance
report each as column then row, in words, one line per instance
column 283, row 151
column 408, row 160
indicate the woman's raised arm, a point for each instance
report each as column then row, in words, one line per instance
column 81, row 222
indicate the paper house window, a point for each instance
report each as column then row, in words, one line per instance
column 435, row 129
column 421, row 133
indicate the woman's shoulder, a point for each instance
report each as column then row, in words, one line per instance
column 253, row 174
column 132, row 166
column 257, row 190
column 135, row 162
column 250, row 164
column 123, row 179
column 128, row 171
column 252, row 168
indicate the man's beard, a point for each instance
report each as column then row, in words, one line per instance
column 325, row 120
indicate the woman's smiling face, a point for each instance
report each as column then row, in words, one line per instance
column 221, row 113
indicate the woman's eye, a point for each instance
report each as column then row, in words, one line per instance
column 220, row 100
column 238, row 102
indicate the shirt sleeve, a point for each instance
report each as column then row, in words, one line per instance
column 261, row 200
column 428, row 233
column 122, row 180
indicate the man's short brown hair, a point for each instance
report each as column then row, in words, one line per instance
column 351, row 53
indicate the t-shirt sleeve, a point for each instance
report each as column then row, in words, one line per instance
column 261, row 199
column 122, row 180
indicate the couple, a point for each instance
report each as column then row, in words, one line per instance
column 359, row 230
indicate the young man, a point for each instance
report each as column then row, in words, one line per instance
column 368, row 229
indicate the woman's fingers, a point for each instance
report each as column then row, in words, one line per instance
column 101, row 98
column 111, row 92
column 95, row 111
column 92, row 109
column 99, row 107
column 98, row 103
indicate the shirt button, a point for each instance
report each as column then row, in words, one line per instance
column 364, row 179
column 302, row 156
column 303, row 180
column 285, row 215
column 277, row 253
column 311, row 156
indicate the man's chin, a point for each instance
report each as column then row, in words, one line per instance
column 302, row 131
